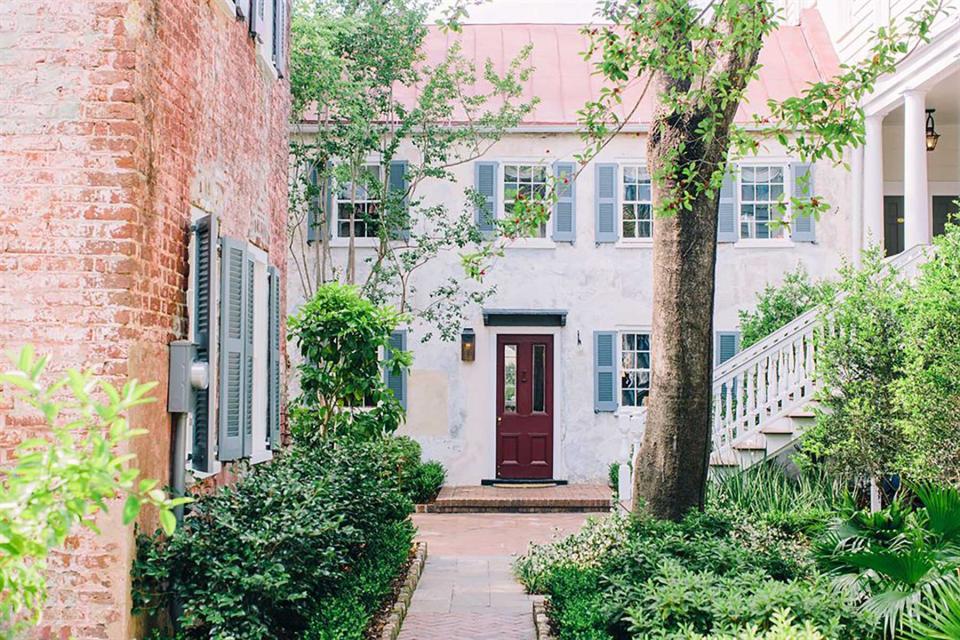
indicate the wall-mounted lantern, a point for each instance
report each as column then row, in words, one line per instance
column 932, row 136
column 468, row 345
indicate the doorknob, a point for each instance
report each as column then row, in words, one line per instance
column 499, row 419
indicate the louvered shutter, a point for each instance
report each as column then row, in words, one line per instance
column 249, row 305
column 204, row 311
column 398, row 185
column 802, row 226
column 486, row 186
column 233, row 294
column 396, row 381
column 727, row 208
column 607, row 199
column 254, row 22
column 565, row 209
column 727, row 345
column 273, row 360
column 604, row 371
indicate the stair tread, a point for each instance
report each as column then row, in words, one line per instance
column 780, row 428
column 754, row 443
column 724, row 459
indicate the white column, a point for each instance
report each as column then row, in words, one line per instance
column 916, row 202
column 873, row 181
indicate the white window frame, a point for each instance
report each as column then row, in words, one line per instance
column 261, row 350
column 622, row 371
column 533, row 242
column 335, row 213
column 622, row 197
column 760, row 163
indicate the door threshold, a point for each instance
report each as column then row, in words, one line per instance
column 522, row 482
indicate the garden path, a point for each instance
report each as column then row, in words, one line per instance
column 467, row 591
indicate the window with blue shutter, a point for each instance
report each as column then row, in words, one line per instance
column 273, row 359
column 606, row 203
column 398, row 185
column 233, row 302
column 604, row 371
column 565, row 211
column 727, row 345
column 396, row 381
column 204, row 315
column 486, row 186
column 802, row 226
column 727, row 208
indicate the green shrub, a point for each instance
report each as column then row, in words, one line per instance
column 430, row 478
column 930, row 389
column 782, row 628
column 300, row 547
column 778, row 306
column 341, row 337
column 717, row 572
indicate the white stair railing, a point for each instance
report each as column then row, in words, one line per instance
column 776, row 376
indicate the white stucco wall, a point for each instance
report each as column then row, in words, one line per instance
column 602, row 287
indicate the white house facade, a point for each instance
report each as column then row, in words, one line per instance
column 558, row 381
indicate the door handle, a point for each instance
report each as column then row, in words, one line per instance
column 499, row 419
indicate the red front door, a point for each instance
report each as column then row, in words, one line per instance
column 524, row 407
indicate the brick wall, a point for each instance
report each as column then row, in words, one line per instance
column 119, row 119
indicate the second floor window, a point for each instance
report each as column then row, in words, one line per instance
column 524, row 182
column 637, row 212
column 634, row 369
column 761, row 188
column 358, row 203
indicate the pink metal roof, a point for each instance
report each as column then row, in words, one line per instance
column 564, row 81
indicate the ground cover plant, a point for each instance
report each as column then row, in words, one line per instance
column 741, row 569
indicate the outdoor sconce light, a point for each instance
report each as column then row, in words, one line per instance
column 468, row 345
column 932, row 136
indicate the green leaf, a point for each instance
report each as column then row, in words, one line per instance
column 168, row 521
column 131, row 508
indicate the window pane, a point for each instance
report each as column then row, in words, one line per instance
column 644, row 230
column 748, row 174
column 643, row 360
column 540, row 173
column 776, row 174
column 510, row 173
column 747, row 192
column 762, row 174
column 763, row 192
column 629, row 341
column 525, row 172
column 629, row 398
column 510, row 378
column 629, row 229
column 645, row 192
column 643, row 342
column 630, row 192
column 629, row 174
column 776, row 191
column 539, row 377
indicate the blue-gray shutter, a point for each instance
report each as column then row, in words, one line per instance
column 727, row 345
column 727, row 208
column 486, row 186
column 565, row 209
column 396, row 382
column 398, row 184
column 204, row 310
column 248, row 349
column 607, row 199
column 802, row 227
column 605, row 371
column 254, row 22
column 233, row 294
column 273, row 360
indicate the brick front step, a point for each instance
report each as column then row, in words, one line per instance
column 568, row 498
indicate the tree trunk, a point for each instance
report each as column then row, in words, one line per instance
column 671, row 466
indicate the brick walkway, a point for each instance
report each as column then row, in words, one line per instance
column 467, row 591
